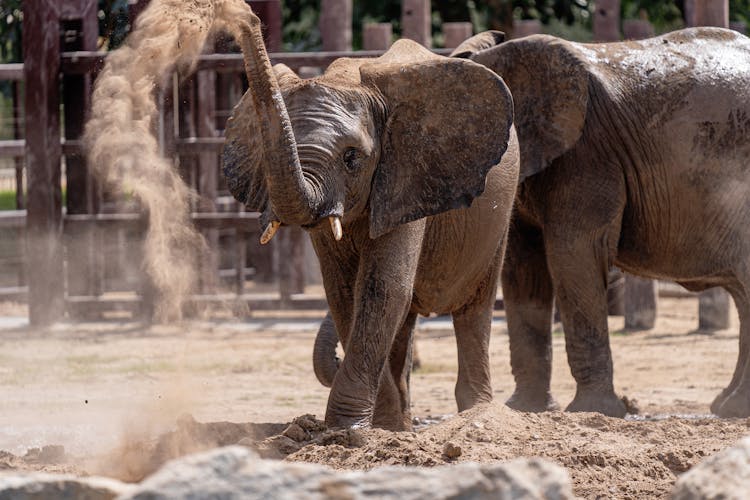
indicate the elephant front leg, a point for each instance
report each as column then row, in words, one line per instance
column 580, row 269
column 382, row 298
column 392, row 408
column 528, row 296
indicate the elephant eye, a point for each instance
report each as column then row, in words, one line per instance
column 351, row 159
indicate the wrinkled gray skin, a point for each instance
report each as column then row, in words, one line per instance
column 325, row 360
column 397, row 147
column 635, row 154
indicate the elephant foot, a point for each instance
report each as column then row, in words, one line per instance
column 719, row 400
column 523, row 401
column 736, row 405
column 605, row 402
column 346, row 422
column 392, row 422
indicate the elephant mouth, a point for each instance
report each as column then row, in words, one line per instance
column 332, row 220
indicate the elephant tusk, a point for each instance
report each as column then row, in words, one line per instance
column 269, row 231
column 336, row 227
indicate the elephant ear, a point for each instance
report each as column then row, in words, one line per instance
column 478, row 42
column 242, row 156
column 448, row 124
column 549, row 80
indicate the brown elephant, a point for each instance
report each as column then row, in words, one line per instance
column 390, row 152
column 634, row 154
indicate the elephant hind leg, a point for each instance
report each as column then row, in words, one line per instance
column 528, row 298
column 579, row 268
column 392, row 407
column 734, row 400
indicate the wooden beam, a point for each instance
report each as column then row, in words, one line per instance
column 11, row 72
column 41, row 55
column 84, row 62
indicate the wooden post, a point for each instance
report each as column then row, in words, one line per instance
column 713, row 304
column 17, row 134
column 336, row 24
column 707, row 13
column 81, row 27
column 713, row 309
column 640, row 303
column 291, row 262
column 637, row 29
column 208, row 171
column 377, row 36
column 269, row 12
column 41, row 57
column 416, row 21
column 455, row 33
column 607, row 21
column 526, row 27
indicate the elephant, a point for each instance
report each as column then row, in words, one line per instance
column 325, row 360
column 634, row 154
column 403, row 169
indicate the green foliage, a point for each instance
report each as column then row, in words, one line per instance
column 665, row 15
column 739, row 10
column 7, row 200
column 10, row 31
column 113, row 23
column 300, row 25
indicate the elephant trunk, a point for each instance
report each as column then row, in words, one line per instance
column 294, row 198
column 325, row 361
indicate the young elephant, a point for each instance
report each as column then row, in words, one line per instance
column 383, row 150
column 635, row 154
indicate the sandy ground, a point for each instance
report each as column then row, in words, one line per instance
column 99, row 387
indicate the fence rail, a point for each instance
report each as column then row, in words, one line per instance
column 192, row 114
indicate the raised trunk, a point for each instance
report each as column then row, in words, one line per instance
column 293, row 198
column 325, row 362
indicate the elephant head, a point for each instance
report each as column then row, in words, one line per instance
column 404, row 136
column 550, row 81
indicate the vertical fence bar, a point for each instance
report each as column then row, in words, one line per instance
column 208, row 167
column 713, row 304
column 377, row 36
column 336, row 24
column 41, row 56
column 80, row 32
column 607, row 21
column 415, row 21
column 455, row 33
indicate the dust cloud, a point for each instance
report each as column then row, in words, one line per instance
column 119, row 135
column 124, row 153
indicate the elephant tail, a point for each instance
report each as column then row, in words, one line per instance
column 325, row 361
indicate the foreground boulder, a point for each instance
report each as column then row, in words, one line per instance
column 237, row 472
column 43, row 486
column 725, row 475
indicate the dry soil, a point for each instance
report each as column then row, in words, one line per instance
column 121, row 398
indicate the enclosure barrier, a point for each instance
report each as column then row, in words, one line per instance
column 68, row 270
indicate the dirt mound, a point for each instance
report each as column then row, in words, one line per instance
column 50, row 458
column 605, row 456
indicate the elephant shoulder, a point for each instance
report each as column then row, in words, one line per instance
column 549, row 81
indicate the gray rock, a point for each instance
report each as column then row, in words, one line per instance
column 725, row 475
column 237, row 472
column 45, row 486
